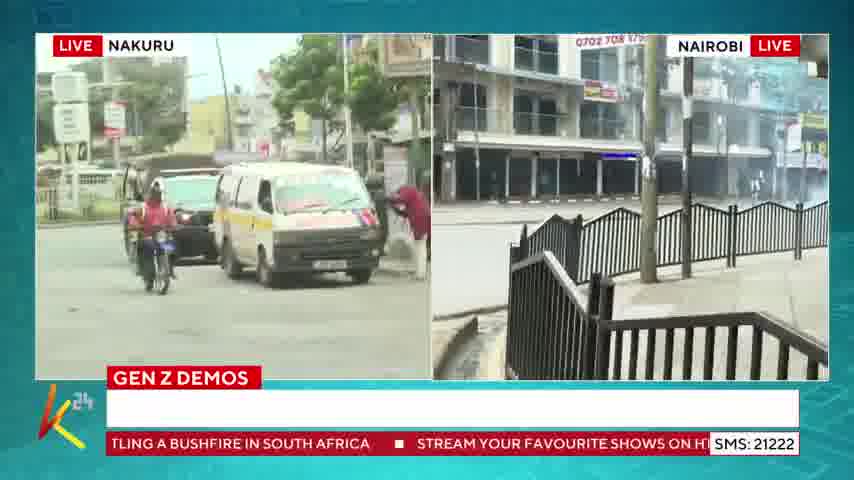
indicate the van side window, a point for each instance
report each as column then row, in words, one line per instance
column 265, row 197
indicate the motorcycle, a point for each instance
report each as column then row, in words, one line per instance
column 157, row 275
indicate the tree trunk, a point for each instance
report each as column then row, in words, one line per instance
column 415, row 146
column 323, row 139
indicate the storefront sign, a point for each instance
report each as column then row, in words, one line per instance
column 596, row 91
column 808, row 135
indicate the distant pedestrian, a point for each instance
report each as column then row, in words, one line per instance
column 409, row 202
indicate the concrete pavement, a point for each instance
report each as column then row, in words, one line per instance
column 471, row 214
column 92, row 311
column 796, row 292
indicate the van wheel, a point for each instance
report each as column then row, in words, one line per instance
column 230, row 264
column 362, row 276
column 264, row 272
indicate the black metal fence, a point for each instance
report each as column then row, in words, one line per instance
column 555, row 332
column 610, row 244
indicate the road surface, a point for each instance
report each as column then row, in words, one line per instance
column 92, row 312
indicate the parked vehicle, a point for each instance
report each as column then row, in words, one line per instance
column 191, row 197
column 286, row 219
column 142, row 172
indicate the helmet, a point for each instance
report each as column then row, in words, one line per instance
column 155, row 191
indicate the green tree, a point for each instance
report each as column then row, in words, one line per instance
column 374, row 98
column 154, row 95
column 311, row 79
column 44, row 128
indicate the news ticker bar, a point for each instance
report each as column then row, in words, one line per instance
column 450, row 409
column 408, row 443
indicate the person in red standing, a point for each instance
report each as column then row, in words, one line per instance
column 154, row 214
column 408, row 201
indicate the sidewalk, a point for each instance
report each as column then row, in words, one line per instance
column 796, row 292
column 484, row 213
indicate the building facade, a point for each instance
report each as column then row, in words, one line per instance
column 530, row 117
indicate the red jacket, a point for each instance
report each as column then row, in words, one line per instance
column 417, row 210
column 151, row 215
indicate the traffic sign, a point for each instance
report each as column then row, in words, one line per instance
column 71, row 122
column 69, row 87
column 114, row 119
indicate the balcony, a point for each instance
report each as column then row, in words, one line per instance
column 439, row 47
column 472, row 50
column 527, row 123
column 513, row 123
column 536, row 60
column 607, row 129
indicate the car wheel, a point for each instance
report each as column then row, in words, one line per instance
column 264, row 272
column 229, row 261
column 362, row 276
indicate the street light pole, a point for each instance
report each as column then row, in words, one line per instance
column 649, row 192
column 348, row 123
column 687, row 142
column 228, row 133
column 476, row 137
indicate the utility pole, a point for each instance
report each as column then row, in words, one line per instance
column 805, row 146
column 476, row 137
column 687, row 146
column 649, row 192
column 228, row 132
column 114, row 96
column 348, row 125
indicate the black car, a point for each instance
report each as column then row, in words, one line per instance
column 192, row 197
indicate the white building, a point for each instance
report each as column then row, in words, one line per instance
column 553, row 119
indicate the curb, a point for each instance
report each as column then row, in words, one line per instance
column 492, row 362
column 59, row 225
column 470, row 313
column 485, row 222
column 452, row 348
column 395, row 272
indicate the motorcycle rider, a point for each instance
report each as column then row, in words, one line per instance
column 153, row 214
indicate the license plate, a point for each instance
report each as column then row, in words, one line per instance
column 330, row 264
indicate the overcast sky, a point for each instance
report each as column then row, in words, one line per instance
column 242, row 56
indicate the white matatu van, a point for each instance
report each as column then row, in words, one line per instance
column 295, row 218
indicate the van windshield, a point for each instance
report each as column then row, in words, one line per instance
column 192, row 192
column 331, row 190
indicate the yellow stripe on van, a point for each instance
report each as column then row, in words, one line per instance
column 245, row 219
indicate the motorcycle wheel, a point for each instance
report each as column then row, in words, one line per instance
column 163, row 274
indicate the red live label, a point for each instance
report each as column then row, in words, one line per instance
column 78, row 45
column 775, row 45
